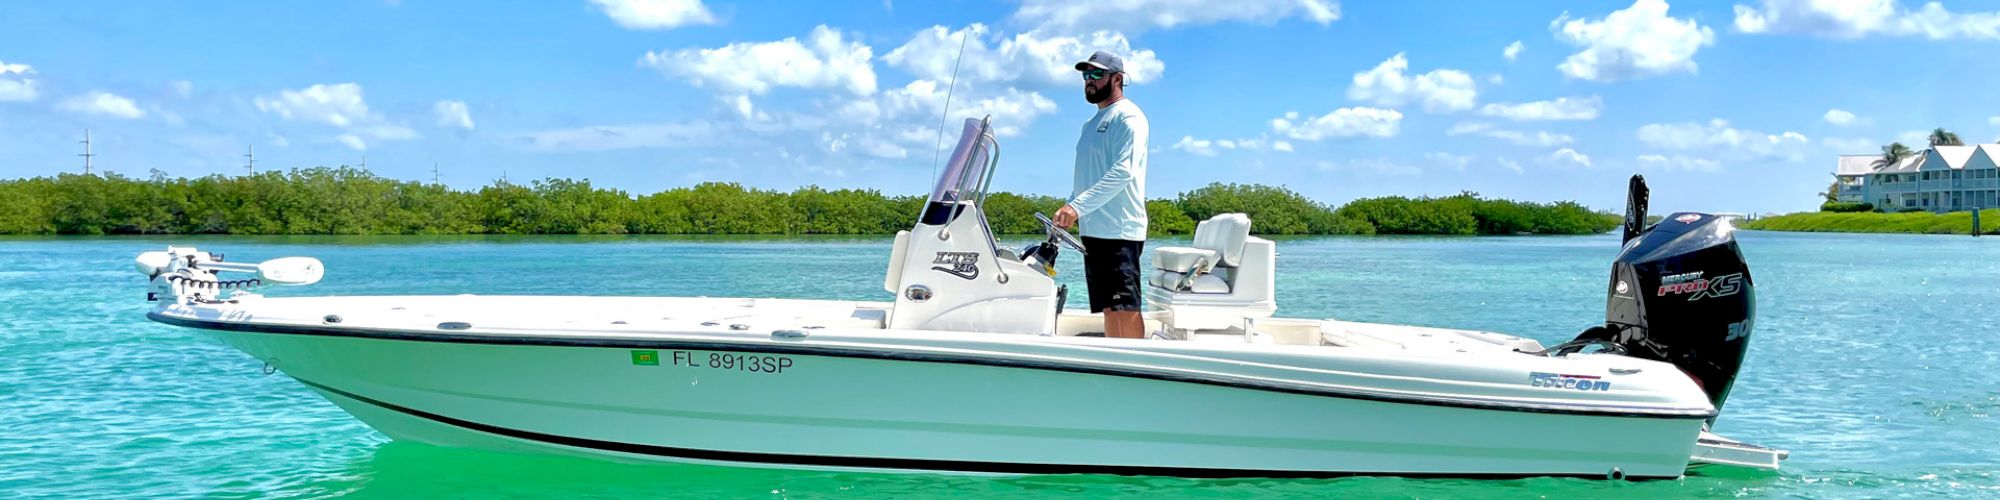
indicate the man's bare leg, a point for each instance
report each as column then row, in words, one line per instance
column 1124, row 325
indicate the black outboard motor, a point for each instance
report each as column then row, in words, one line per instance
column 1680, row 292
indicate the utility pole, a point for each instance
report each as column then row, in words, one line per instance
column 86, row 151
column 434, row 173
column 364, row 162
column 251, row 167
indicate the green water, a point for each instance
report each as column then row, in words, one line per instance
column 1876, row 361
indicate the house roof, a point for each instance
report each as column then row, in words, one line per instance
column 1933, row 158
column 1987, row 157
column 1909, row 164
column 1856, row 164
column 1949, row 157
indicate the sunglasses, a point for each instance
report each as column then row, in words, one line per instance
column 1095, row 74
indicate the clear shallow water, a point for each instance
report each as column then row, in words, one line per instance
column 1876, row 361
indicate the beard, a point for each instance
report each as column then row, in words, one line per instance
column 1097, row 96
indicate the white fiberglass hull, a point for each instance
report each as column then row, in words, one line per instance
column 800, row 402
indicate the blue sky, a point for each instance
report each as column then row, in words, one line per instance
column 1724, row 106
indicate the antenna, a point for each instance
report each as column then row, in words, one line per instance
column 86, row 151
column 251, row 154
column 966, row 34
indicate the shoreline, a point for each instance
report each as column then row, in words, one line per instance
column 1949, row 223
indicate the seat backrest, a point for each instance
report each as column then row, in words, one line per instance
column 1224, row 234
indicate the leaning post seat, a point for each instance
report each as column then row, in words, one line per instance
column 1224, row 278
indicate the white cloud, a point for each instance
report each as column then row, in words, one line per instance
column 1456, row 162
column 1718, row 135
column 15, row 84
column 1562, row 108
column 1678, row 162
column 1566, row 157
column 1035, row 57
column 1343, row 122
column 340, row 105
column 826, row 59
column 1512, row 51
column 1202, row 147
column 1636, row 42
column 1841, row 117
column 279, row 140
column 1374, row 165
column 453, row 114
column 655, row 14
column 1208, row 147
column 1438, row 90
column 1140, row 15
column 182, row 88
column 1495, row 79
column 614, row 137
column 1860, row 18
column 103, row 103
column 1995, row 121
column 1010, row 108
column 1510, row 164
column 1849, row 145
column 1539, row 138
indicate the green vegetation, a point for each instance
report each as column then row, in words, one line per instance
column 351, row 201
column 1874, row 222
column 1846, row 206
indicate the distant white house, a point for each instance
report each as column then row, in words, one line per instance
column 1938, row 179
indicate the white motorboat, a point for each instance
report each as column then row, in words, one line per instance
column 975, row 366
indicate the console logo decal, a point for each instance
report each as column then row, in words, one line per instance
column 960, row 264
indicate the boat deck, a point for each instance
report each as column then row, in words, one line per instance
column 638, row 315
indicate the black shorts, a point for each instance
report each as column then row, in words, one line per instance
column 1111, row 270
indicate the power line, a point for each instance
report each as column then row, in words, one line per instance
column 86, row 151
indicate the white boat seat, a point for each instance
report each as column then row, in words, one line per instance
column 1218, row 242
column 1184, row 259
column 1203, row 283
column 1225, row 277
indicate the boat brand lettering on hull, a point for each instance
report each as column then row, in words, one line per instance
column 757, row 363
column 960, row 264
column 1698, row 288
column 1566, row 381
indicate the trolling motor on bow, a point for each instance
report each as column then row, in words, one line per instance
column 1680, row 292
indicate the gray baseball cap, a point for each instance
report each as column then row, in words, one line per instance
column 1104, row 61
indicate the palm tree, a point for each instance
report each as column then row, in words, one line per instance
column 1893, row 153
column 1941, row 137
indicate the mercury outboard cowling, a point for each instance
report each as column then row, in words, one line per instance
column 1680, row 292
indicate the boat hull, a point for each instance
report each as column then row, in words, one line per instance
column 711, row 404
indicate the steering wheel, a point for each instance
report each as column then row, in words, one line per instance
column 1058, row 234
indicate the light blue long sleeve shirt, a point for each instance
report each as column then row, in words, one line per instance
column 1110, row 185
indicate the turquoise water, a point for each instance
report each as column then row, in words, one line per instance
column 1876, row 361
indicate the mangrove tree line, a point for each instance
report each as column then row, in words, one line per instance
column 346, row 200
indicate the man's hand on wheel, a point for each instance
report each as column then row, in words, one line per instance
column 1065, row 217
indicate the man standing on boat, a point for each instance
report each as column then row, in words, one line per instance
column 1109, row 197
